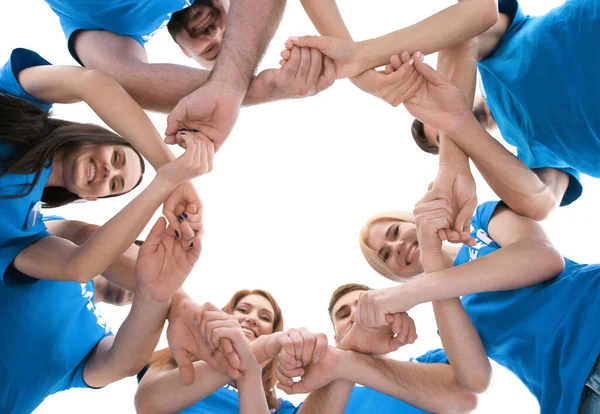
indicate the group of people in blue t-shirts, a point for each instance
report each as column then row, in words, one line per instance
column 491, row 295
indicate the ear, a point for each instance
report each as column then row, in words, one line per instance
column 185, row 52
column 87, row 198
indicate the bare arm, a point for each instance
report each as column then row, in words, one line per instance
column 451, row 26
column 326, row 18
column 69, row 84
column 330, row 399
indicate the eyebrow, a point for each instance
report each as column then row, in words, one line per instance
column 387, row 233
column 340, row 310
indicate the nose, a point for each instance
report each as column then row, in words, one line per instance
column 398, row 246
column 213, row 31
column 252, row 319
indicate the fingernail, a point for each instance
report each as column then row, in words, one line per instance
column 293, row 37
column 317, row 358
column 176, row 234
column 194, row 130
column 180, row 218
column 411, row 61
column 185, row 215
column 192, row 244
column 195, row 323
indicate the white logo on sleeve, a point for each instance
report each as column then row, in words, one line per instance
column 92, row 308
column 483, row 240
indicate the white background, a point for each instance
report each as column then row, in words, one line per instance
column 292, row 188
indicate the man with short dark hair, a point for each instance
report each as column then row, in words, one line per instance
column 392, row 386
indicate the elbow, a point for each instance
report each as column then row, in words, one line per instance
column 489, row 14
column 75, row 273
column 465, row 402
column 478, row 384
column 550, row 258
column 84, row 233
column 143, row 401
column 539, row 209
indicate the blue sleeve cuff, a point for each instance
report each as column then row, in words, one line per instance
column 436, row 356
column 574, row 189
column 21, row 59
column 8, row 274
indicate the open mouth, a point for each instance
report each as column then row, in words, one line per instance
column 411, row 253
column 91, row 171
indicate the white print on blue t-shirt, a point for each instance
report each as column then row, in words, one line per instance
column 91, row 307
column 483, row 240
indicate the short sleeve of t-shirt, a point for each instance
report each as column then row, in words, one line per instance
column 436, row 356
column 14, row 234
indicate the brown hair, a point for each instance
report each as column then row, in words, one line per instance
column 341, row 291
column 164, row 358
column 34, row 138
column 418, row 132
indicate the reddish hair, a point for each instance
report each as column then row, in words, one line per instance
column 164, row 358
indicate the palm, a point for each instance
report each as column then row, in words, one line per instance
column 184, row 195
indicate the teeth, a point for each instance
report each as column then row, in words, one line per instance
column 248, row 331
column 411, row 252
column 92, row 172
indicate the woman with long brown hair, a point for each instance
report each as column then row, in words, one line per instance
column 50, row 162
column 261, row 321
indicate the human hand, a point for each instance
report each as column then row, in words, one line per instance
column 211, row 110
column 437, row 102
column 313, row 376
column 225, row 335
column 301, row 348
column 382, row 340
column 375, row 307
column 346, row 54
column 398, row 82
column 186, row 341
column 304, row 72
column 456, row 183
column 183, row 210
column 197, row 160
column 163, row 263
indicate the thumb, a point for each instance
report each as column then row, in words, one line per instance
column 429, row 73
column 316, row 42
column 176, row 116
column 154, row 237
column 186, row 368
column 463, row 218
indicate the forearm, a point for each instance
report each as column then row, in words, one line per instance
column 252, row 394
column 431, row 387
column 519, row 187
column 132, row 346
column 330, row 399
column 113, row 238
column 514, row 266
column 163, row 392
column 117, row 108
column 326, row 17
column 459, row 64
column 451, row 26
column 251, row 25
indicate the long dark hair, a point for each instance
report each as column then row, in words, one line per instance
column 164, row 359
column 34, row 138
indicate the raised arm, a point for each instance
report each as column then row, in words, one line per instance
column 60, row 259
column 163, row 264
column 213, row 108
column 451, row 26
column 439, row 104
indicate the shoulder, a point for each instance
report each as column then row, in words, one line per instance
column 19, row 60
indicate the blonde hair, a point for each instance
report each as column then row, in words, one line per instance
column 372, row 257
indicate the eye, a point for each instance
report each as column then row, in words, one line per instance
column 396, row 232
column 113, row 185
column 265, row 319
column 242, row 310
column 207, row 51
column 115, row 157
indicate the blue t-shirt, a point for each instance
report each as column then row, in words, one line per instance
column 225, row 401
column 138, row 19
column 21, row 223
column 50, row 328
column 541, row 86
column 547, row 334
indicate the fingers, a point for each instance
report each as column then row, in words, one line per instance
column 175, row 117
column 184, row 362
column 293, row 63
column 328, row 77
column 317, row 42
column 430, row 74
column 154, row 237
column 316, row 67
column 309, row 343
column 304, row 66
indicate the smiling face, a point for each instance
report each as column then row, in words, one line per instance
column 199, row 30
column 342, row 313
column 396, row 244
column 93, row 171
column 255, row 315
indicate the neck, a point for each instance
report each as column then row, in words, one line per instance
column 56, row 175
